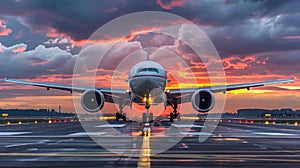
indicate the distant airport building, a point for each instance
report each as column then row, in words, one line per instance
column 285, row 112
column 33, row 113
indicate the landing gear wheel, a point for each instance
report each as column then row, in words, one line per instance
column 171, row 117
column 124, row 116
column 118, row 116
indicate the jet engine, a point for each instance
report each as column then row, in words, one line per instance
column 92, row 100
column 203, row 100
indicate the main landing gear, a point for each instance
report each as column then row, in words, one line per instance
column 174, row 114
column 121, row 114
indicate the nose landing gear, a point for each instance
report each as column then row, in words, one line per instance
column 147, row 117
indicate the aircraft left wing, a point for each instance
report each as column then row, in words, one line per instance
column 111, row 95
column 184, row 95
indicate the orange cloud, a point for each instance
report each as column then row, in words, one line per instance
column 291, row 37
column 4, row 31
column 171, row 4
column 17, row 50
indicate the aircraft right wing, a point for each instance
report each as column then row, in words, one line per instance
column 184, row 95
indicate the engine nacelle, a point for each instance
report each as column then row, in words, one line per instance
column 92, row 100
column 203, row 100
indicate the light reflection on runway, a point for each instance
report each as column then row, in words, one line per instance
column 231, row 145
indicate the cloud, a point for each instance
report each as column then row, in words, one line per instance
column 80, row 19
column 170, row 4
column 254, row 36
column 34, row 63
column 272, row 65
column 4, row 30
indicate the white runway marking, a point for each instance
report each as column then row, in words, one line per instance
column 273, row 133
column 25, row 144
column 187, row 126
column 111, row 126
column 12, row 133
column 87, row 133
column 195, row 133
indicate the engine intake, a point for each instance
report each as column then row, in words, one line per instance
column 203, row 100
column 92, row 100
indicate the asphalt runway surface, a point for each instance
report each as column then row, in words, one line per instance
column 68, row 145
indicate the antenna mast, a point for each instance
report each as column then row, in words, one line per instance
column 148, row 54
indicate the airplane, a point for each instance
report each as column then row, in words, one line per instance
column 144, row 77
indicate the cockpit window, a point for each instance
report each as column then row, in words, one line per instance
column 142, row 70
column 147, row 70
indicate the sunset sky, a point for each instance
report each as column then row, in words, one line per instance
column 257, row 40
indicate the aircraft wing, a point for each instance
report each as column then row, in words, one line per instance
column 111, row 95
column 184, row 95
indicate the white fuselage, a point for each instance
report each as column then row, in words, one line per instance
column 147, row 81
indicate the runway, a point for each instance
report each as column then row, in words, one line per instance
column 68, row 145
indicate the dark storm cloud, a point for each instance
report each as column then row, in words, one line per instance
column 257, row 36
column 80, row 18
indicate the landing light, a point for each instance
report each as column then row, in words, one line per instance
column 267, row 122
column 296, row 124
column 35, row 122
column 20, row 122
column 149, row 101
column 8, row 123
column 145, row 99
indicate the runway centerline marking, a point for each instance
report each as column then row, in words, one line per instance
column 145, row 161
